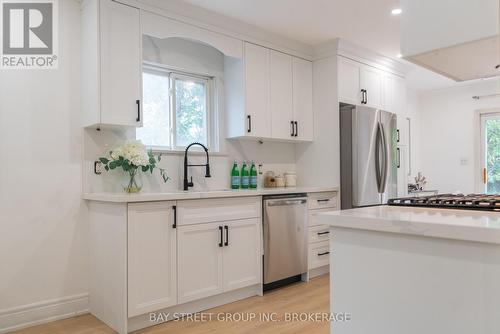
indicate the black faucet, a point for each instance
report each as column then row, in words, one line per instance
column 187, row 183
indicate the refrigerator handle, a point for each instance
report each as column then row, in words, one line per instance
column 385, row 168
column 378, row 171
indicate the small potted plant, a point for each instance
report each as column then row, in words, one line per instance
column 133, row 157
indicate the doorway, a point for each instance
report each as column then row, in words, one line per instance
column 490, row 152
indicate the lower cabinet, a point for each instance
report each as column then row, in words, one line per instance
column 152, row 257
column 218, row 257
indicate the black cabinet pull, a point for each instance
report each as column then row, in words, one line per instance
column 296, row 128
column 323, row 200
column 227, row 235
column 397, row 135
column 399, row 158
column 363, row 96
column 221, row 236
column 293, row 128
column 322, row 233
column 138, row 102
column 249, row 118
column 325, row 253
column 174, row 207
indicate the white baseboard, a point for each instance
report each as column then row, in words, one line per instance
column 42, row 312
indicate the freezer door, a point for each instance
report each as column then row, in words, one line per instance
column 365, row 125
column 388, row 121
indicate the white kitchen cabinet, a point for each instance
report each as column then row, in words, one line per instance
column 281, row 95
column 200, row 261
column 371, row 81
column 257, row 94
column 398, row 95
column 111, row 64
column 403, row 170
column 268, row 96
column 349, row 85
column 152, row 257
column 403, row 131
column 242, row 253
column 302, row 99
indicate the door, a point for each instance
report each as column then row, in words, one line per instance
column 152, row 257
column 490, row 153
column 365, row 178
column 242, row 253
column 281, row 95
column 258, row 115
column 349, row 84
column 199, row 254
column 371, row 80
column 121, row 64
column 302, row 99
column 390, row 170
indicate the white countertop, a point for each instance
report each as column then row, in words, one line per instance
column 469, row 225
column 181, row 195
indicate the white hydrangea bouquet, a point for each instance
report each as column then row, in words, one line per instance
column 133, row 157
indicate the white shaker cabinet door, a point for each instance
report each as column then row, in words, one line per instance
column 302, row 99
column 372, row 81
column 349, row 81
column 152, row 258
column 257, row 88
column 199, row 249
column 242, row 253
column 281, row 95
column 121, row 64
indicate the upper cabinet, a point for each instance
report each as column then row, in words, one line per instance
column 269, row 96
column 360, row 84
column 111, row 64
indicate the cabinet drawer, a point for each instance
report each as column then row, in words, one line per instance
column 217, row 210
column 322, row 200
column 313, row 216
column 319, row 233
column 319, row 254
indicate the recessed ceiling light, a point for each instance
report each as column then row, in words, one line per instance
column 399, row 55
column 396, row 11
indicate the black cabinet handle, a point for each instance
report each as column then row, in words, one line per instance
column 174, row 207
column 249, row 118
column 324, row 200
column 138, row 102
column 221, row 236
column 363, row 91
column 227, row 235
column 397, row 135
column 322, row 233
column 399, row 158
column 296, row 128
column 325, row 253
column 293, row 128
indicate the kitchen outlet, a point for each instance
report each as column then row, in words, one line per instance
column 98, row 168
column 464, row 161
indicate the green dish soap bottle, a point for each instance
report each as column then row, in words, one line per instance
column 245, row 177
column 235, row 176
column 253, row 176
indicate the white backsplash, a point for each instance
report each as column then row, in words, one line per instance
column 278, row 157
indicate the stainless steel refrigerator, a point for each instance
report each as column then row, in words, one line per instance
column 368, row 156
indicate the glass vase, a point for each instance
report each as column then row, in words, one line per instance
column 132, row 182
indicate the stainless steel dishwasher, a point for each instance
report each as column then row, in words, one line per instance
column 285, row 239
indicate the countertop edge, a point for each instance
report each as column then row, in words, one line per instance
column 174, row 196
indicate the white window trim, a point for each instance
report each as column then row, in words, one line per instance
column 478, row 146
column 211, row 108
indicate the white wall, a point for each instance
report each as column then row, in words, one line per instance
column 193, row 57
column 43, row 229
column 448, row 132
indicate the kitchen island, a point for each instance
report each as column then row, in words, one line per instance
column 414, row 270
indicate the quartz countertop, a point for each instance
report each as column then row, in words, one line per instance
column 468, row 225
column 181, row 195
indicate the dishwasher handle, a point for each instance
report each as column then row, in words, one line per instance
column 286, row 202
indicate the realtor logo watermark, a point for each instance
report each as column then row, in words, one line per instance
column 29, row 34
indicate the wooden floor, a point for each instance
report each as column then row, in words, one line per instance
column 309, row 297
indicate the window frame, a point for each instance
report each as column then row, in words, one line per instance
column 210, row 106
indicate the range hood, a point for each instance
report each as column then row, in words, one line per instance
column 457, row 39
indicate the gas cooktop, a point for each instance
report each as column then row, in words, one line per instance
column 450, row 201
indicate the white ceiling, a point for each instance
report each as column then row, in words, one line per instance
column 364, row 22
